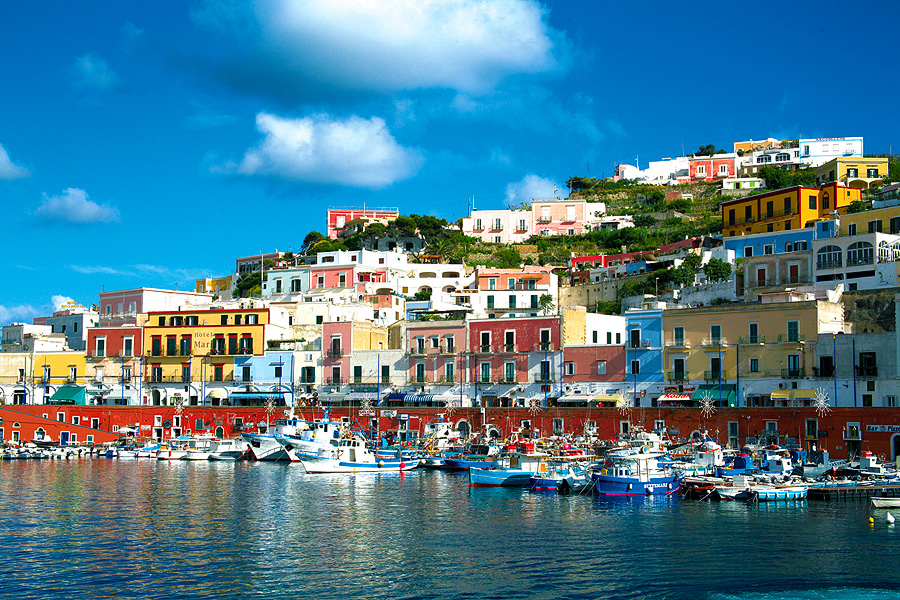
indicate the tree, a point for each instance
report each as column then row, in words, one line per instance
column 707, row 150
column 644, row 220
column 508, row 258
column 545, row 303
column 402, row 226
column 857, row 206
column 311, row 239
column 717, row 269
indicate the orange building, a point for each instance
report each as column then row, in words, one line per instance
column 785, row 209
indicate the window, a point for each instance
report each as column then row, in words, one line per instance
column 852, row 172
column 769, row 249
column 485, row 373
column 601, row 367
column 715, row 334
column 860, row 253
column 770, row 209
column 829, row 257
column 618, row 338
column 812, row 202
column 451, row 343
column 101, row 346
column 793, row 331
column 872, row 173
column 128, row 346
column 678, row 336
column 634, row 336
column 753, row 333
column 826, row 204
column 787, row 205
column 678, row 369
column 435, row 342
column 609, row 337
column 748, row 251
column 701, row 170
column 731, row 218
column 490, row 302
column 569, row 368
column 875, row 226
column 492, row 284
column 635, row 367
column 594, row 337
column 748, row 214
column 512, row 300
column 448, row 372
column 895, row 225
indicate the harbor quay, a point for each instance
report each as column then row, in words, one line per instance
column 843, row 432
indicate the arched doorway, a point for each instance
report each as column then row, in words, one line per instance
column 464, row 429
column 493, row 433
column 157, row 397
column 220, row 432
column 895, row 446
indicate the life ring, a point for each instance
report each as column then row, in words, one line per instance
column 185, row 447
column 644, row 449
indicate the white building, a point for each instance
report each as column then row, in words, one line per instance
column 661, row 172
column 818, row 151
column 502, row 226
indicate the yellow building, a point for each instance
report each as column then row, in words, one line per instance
column 753, row 349
column 853, row 172
column 785, row 209
column 182, row 346
column 886, row 220
column 220, row 286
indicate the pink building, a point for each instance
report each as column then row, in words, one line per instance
column 505, row 349
column 499, row 226
column 337, row 218
column 593, row 363
column 122, row 307
column 435, row 351
column 717, row 166
column 337, row 343
column 560, row 217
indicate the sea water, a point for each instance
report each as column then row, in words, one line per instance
column 99, row 528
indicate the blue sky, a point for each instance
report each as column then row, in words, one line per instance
column 152, row 143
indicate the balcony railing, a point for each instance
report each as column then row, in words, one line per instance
column 864, row 260
column 484, row 349
column 335, row 381
column 828, row 264
column 508, row 348
column 335, row 353
column 544, row 346
column 752, row 339
column 793, row 373
column 416, row 351
column 713, row 375
column 544, row 219
column 678, row 343
column 823, row 371
column 866, row 371
column 307, row 380
column 790, row 338
column 676, row 376
column 713, row 341
column 639, row 344
column 541, row 378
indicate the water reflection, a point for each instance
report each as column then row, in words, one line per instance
column 103, row 528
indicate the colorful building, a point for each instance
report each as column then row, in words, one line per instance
column 337, row 219
column 786, row 209
column 854, row 172
column 717, row 166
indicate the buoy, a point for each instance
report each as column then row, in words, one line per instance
column 871, row 519
column 890, row 518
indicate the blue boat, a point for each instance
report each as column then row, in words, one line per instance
column 510, row 470
column 480, row 456
column 741, row 465
column 638, row 474
column 561, row 476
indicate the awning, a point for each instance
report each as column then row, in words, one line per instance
column 804, row 395
column 217, row 393
column 256, row 396
column 576, row 398
column 728, row 396
column 614, row 398
column 781, row 395
column 68, row 394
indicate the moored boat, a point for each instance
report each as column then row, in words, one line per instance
column 637, row 474
column 352, row 456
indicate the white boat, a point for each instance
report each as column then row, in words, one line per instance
column 886, row 502
column 265, row 446
column 230, row 449
column 308, row 439
column 352, row 456
column 199, row 448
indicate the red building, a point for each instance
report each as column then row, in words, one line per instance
column 717, row 166
column 337, row 218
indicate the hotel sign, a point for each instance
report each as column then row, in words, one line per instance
column 883, row 428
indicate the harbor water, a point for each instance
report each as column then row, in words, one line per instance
column 99, row 528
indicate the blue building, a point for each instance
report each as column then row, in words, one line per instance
column 259, row 379
column 777, row 242
column 644, row 377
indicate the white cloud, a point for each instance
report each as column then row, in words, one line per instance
column 23, row 313
column 531, row 186
column 367, row 45
column 73, row 206
column 155, row 272
column 99, row 270
column 8, row 169
column 91, row 72
column 321, row 149
column 58, row 301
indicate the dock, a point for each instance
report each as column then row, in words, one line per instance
column 856, row 492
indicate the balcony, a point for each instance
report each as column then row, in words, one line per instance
column 823, row 371
column 485, row 349
column 713, row 375
column 418, row 379
column 335, row 381
column 719, row 341
column 446, row 379
column 676, row 376
column 478, row 228
column 414, row 351
column 828, row 264
column 543, row 347
column 307, row 380
column 544, row 378
column 336, row 353
column 793, row 373
column 862, row 260
column 449, row 350
column 508, row 348
column 639, row 344
column 785, row 338
column 866, row 371
column 752, row 339
column 521, row 229
column 496, row 227
column 226, row 377
column 526, row 286
column 678, row 343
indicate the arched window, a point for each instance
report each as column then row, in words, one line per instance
column 220, row 432
column 788, row 247
column 860, row 253
column 828, row 257
column 464, row 429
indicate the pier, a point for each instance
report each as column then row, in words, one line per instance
column 856, row 492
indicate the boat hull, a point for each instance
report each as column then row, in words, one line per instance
column 607, row 485
column 481, row 477
column 339, row 466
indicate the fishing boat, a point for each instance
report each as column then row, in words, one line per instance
column 745, row 488
column 199, row 448
column 480, row 456
column 352, row 456
column 561, row 475
column 739, row 465
column 886, row 502
column 265, row 446
column 514, row 469
column 304, row 440
column 818, row 464
column 636, row 474
column 230, row 449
